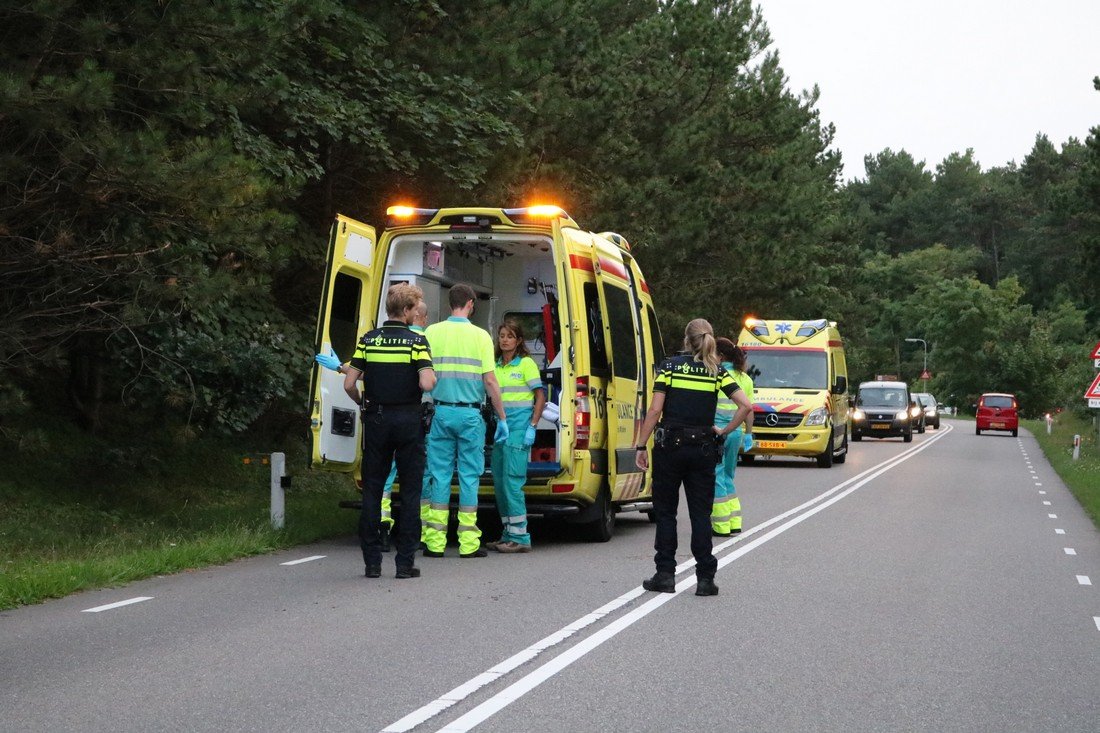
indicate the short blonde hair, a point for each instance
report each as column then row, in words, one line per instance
column 401, row 297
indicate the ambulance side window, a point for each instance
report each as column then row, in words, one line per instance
column 624, row 341
column 655, row 336
column 344, row 315
column 597, row 352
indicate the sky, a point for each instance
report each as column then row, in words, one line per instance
column 936, row 77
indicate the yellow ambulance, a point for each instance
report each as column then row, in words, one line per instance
column 586, row 311
column 800, row 378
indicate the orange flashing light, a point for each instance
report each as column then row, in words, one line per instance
column 400, row 212
column 545, row 210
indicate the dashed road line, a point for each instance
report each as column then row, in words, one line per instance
column 1069, row 550
column 311, row 558
column 1059, row 531
column 1053, row 516
column 119, row 604
column 1084, row 580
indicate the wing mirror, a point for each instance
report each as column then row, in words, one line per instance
column 841, row 385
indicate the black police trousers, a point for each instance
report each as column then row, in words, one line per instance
column 393, row 434
column 692, row 465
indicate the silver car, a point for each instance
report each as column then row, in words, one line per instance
column 931, row 408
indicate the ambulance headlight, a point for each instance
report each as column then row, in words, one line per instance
column 817, row 417
column 903, row 415
column 859, row 415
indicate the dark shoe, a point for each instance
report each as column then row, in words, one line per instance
column 479, row 552
column 719, row 534
column 404, row 573
column 423, row 546
column 660, row 583
column 384, row 537
column 706, row 587
column 432, row 553
column 510, row 547
column 374, row 571
column 735, row 531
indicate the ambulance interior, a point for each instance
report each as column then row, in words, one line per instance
column 514, row 277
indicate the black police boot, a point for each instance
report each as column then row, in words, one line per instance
column 384, row 537
column 706, row 587
column 479, row 552
column 660, row 583
column 373, row 571
column 405, row 573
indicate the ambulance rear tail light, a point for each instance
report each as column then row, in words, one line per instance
column 756, row 326
column 582, row 419
column 540, row 214
column 407, row 216
column 562, row 488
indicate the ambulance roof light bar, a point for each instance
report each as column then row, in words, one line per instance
column 405, row 216
column 756, row 326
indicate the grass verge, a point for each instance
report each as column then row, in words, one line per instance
column 84, row 515
column 1083, row 475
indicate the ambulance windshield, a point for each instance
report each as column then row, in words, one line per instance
column 788, row 369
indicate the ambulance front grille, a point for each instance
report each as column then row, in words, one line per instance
column 776, row 420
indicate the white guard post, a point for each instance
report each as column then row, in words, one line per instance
column 1076, row 447
column 278, row 495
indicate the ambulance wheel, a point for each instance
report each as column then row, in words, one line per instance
column 856, row 436
column 825, row 459
column 603, row 527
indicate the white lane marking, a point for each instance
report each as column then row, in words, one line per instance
column 1096, row 620
column 1084, row 580
column 311, row 558
column 1059, row 531
column 1053, row 516
column 1042, row 492
column 1046, row 503
column 1069, row 550
column 119, row 604
column 536, row 677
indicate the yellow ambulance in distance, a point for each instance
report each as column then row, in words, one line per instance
column 800, row 379
column 587, row 314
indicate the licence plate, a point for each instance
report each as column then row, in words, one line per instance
column 772, row 444
column 996, row 424
column 880, row 426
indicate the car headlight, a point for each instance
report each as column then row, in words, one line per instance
column 903, row 415
column 930, row 411
column 915, row 412
column 817, row 417
column 858, row 415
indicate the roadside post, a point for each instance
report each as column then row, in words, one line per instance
column 278, row 491
column 1076, row 447
column 1050, row 422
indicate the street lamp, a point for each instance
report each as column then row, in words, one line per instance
column 925, row 370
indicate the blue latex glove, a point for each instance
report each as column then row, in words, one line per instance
column 501, row 434
column 747, row 442
column 529, row 437
column 329, row 360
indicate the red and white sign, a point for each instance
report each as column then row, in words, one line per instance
column 1093, row 392
column 926, row 374
column 1095, row 352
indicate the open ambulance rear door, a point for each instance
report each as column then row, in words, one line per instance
column 349, row 303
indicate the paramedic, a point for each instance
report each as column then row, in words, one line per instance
column 685, row 449
column 725, row 517
column 396, row 367
column 523, row 396
column 463, row 355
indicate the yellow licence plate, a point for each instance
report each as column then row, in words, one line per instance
column 996, row 424
column 880, row 426
column 772, row 444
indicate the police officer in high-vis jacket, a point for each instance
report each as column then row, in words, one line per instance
column 396, row 368
column 463, row 356
column 685, row 450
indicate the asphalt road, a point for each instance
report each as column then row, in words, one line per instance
column 923, row 586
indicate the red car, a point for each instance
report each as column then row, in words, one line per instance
column 997, row 411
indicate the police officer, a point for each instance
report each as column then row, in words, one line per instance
column 463, row 355
column 685, row 397
column 725, row 517
column 396, row 367
column 418, row 323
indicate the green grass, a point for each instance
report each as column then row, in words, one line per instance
column 1083, row 475
column 76, row 514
